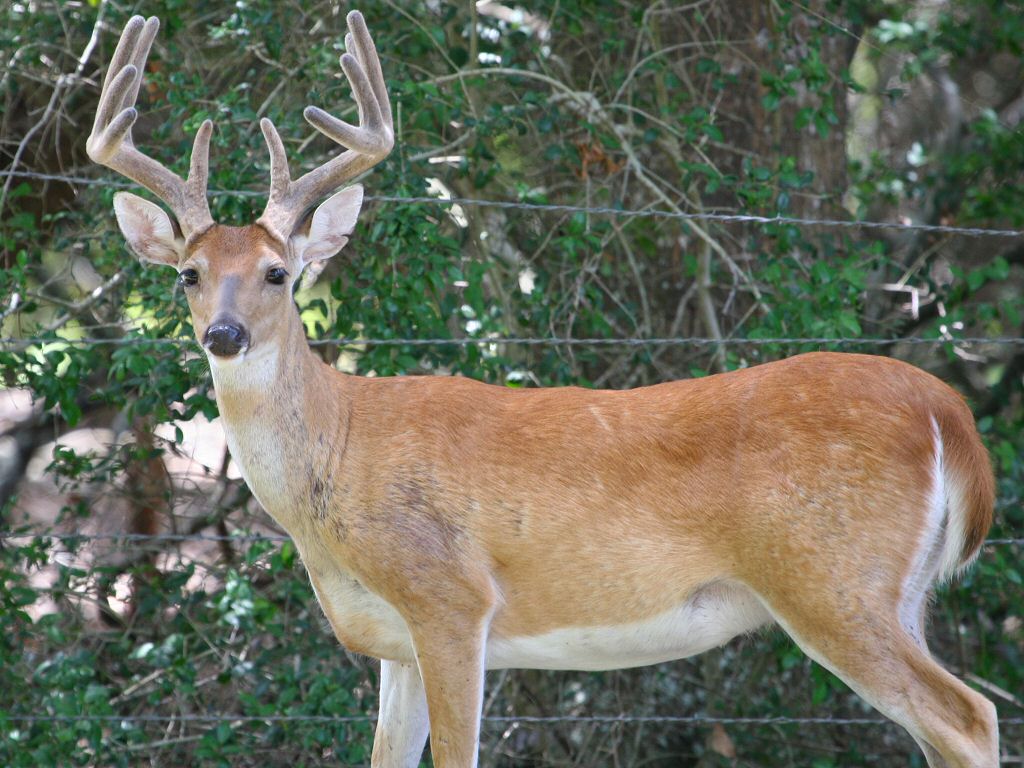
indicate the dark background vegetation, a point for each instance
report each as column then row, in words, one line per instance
column 897, row 111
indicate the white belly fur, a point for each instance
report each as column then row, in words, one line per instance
column 709, row 618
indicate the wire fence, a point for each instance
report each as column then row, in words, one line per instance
column 16, row 342
column 722, row 218
column 696, row 341
column 170, row 720
column 239, row 537
column 504, row 719
column 652, row 213
column 637, row 342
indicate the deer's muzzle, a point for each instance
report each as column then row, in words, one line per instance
column 225, row 339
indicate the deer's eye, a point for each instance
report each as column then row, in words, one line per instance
column 188, row 277
column 277, row 275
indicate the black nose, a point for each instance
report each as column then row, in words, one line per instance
column 225, row 339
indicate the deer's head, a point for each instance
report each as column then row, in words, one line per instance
column 238, row 280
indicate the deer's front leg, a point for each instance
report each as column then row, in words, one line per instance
column 403, row 724
column 429, row 567
column 451, row 661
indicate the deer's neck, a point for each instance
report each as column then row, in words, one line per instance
column 286, row 417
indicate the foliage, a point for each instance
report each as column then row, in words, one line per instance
column 693, row 108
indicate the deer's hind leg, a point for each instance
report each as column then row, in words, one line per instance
column 859, row 636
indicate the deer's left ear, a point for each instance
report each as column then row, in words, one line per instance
column 330, row 226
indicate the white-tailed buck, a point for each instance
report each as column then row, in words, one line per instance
column 450, row 526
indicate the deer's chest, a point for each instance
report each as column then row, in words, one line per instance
column 299, row 496
column 362, row 621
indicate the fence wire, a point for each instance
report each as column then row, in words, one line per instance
column 723, row 218
column 239, row 537
column 696, row 341
column 503, row 719
column 13, row 342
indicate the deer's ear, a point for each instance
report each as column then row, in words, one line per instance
column 330, row 226
column 148, row 230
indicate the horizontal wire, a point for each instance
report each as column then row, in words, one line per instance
column 243, row 537
column 697, row 341
column 725, row 218
column 555, row 341
column 508, row 719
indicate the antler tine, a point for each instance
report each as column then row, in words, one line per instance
column 110, row 142
column 360, row 41
column 366, row 144
column 280, row 177
column 119, row 73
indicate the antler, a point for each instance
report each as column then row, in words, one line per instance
column 110, row 142
column 367, row 144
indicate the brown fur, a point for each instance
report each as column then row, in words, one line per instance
column 479, row 511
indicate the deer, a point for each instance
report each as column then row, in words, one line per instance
column 450, row 526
